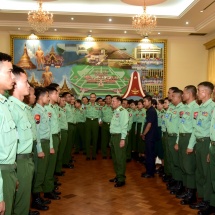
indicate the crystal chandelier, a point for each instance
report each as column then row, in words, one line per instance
column 40, row 20
column 144, row 23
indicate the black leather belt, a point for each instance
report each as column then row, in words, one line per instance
column 184, row 134
column 92, row 119
column 202, row 139
column 24, row 156
column 107, row 123
column 172, row 134
column 115, row 134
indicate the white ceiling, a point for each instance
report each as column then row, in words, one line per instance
column 172, row 16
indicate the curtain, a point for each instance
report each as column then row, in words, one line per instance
column 211, row 65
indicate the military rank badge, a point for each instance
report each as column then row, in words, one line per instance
column 37, row 118
column 195, row 114
column 130, row 115
column 49, row 115
column 181, row 114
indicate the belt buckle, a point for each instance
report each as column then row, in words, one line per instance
column 91, row 118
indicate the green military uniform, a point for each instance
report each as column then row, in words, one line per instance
column 212, row 159
column 201, row 139
column 134, row 147
column 55, row 131
column 167, row 164
column 24, row 158
column 172, row 123
column 107, row 114
column 71, row 120
column 8, row 147
column 64, row 136
column 187, row 162
column 44, row 143
column 118, row 130
column 158, row 144
column 80, row 128
column 140, row 119
column 129, row 139
column 93, row 115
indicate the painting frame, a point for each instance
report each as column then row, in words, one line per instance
column 14, row 38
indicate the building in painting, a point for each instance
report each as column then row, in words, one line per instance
column 53, row 59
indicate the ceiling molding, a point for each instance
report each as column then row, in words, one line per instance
column 188, row 8
column 210, row 44
column 206, row 22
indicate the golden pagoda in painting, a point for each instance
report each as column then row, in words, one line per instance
column 34, row 82
column 65, row 87
column 25, row 61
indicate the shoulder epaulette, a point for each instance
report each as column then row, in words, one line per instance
column 121, row 109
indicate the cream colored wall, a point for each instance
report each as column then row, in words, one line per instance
column 186, row 59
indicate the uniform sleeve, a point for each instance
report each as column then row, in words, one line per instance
column 124, row 123
column 37, row 118
column 51, row 141
column 130, row 121
column 1, row 188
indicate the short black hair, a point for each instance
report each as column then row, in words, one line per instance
column 39, row 91
column 148, row 97
column 65, row 94
column 51, row 89
column 140, row 100
column 161, row 101
column 92, row 94
column 125, row 100
column 178, row 92
column 207, row 84
column 166, row 98
column 79, row 101
column 55, row 85
column 192, row 89
column 5, row 57
column 18, row 70
column 119, row 98
column 98, row 99
column 173, row 88
column 108, row 96
column 130, row 101
column 154, row 102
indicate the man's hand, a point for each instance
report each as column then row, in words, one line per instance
column 143, row 137
column 208, row 158
column 2, row 208
column 176, row 147
column 122, row 143
column 17, row 185
column 52, row 151
column 41, row 155
column 189, row 151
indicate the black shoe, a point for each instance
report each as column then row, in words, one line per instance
column 45, row 201
column 51, row 195
column 182, row 195
column 119, row 184
column 110, row 157
column 34, row 213
column 76, row 153
column 207, row 211
column 68, row 166
column 104, row 157
column 166, row 178
column 56, row 192
column 59, row 173
column 128, row 160
column 177, row 189
column 93, row 158
column 199, row 206
column 146, row 175
column 87, row 158
column 190, row 197
column 56, row 183
column 113, row 180
column 37, row 203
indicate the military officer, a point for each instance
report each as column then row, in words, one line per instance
column 93, row 118
column 107, row 114
column 172, row 123
column 49, row 191
column 118, row 130
column 200, row 138
column 24, row 157
column 71, row 120
column 187, row 159
column 63, row 134
column 44, row 147
column 80, row 119
column 8, row 139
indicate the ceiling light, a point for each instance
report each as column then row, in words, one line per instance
column 90, row 31
column 19, row 29
column 40, row 20
column 125, row 32
column 110, row 20
column 187, row 23
column 159, row 33
column 201, row 11
column 144, row 23
column 55, row 29
column 72, row 18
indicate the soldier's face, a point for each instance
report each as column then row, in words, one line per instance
column 124, row 103
column 68, row 98
column 186, row 95
column 159, row 106
column 45, row 98
column 62, row 102
column 72, row 100
column 115, row 103
column 54, row 96
column 7, row 78
column 166, row 104
column 176, row 98
column 92, row 98
column 132, row 106
column 22, row 86
column 108, row 100
column 77, row 105
column 85, row 101
column 32, row 97
column 140, row 105
column 201, row 92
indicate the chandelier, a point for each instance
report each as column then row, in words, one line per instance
column 144, row 23
column 40, row 20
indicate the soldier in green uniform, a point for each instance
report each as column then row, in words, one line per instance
column 84, row 101
column 118, row 130
column 8, row 139
column 80, row 119
column 187, row 159
column 93, row 118
column 24, row 157
column 201, row 139
column 107, row 114
column 211, row 159
column 49, row 191
column 44, row 147
column 140, row 119
column 63, row 134
column 71, row 120
column 172, row 123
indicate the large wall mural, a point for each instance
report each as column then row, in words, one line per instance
column 103, row 66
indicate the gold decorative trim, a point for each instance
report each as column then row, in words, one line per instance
column 164, row 41
column 210, row 44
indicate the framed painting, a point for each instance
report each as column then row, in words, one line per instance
column 127, row 67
